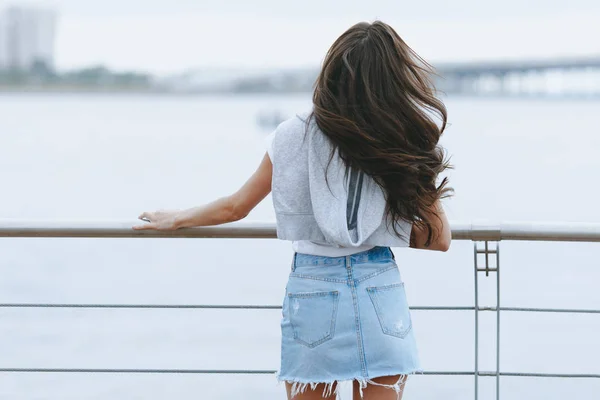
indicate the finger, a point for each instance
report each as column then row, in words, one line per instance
column 145, row 227
column 145, row 216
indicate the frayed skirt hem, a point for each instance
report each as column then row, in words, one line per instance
column 332, row 387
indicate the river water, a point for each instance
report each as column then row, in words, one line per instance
column 100, row 157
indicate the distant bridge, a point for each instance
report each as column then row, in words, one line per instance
column 500, row 67
column 576, row 77
column 558, row 77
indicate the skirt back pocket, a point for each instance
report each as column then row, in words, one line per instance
column 312, row 316
column 392, row 309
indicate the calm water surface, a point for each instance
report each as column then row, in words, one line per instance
column 109, row 158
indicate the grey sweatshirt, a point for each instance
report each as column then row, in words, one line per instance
column 326, row 202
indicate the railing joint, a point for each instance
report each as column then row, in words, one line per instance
column 487, row 270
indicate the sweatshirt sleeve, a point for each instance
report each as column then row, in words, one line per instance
column 269, row 144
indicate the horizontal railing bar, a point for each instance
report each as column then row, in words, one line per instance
column 269, row 372
column 181, row 371
column 487, row 269
column 442, row 308
column 138, row 371
column 551, row 310
column 142, row 306
column 548, row 310
column 584, row 232
column 544, row 375
column 243, row 230
column 193, row 306
column 276, row 307
column 489, row 251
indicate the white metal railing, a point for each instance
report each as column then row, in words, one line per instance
column 562, row 232
column 486, row 238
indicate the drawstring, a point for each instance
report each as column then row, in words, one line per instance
column 294, row 262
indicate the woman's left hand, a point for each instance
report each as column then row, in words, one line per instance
column 158, row 220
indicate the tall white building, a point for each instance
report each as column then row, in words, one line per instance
column 27, row 35
column 3, row 42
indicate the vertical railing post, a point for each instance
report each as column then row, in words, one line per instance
column 498, row 321
column 476, row 376
column 486, row 251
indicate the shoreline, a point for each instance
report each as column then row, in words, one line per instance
column 136, row 91
column 126, row 92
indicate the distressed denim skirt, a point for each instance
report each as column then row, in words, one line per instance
column 346, row 319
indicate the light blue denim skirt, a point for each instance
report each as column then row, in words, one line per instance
column 346, row 319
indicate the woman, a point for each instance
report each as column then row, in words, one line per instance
column 352, row 178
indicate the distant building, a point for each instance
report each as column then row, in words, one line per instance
column 3, row 41
column 27, row 37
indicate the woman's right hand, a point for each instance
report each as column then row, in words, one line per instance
column 158, row 220
column 226, row 209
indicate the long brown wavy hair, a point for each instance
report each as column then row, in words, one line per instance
column 375, row 101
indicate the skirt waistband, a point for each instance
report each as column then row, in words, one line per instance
column 374, row 254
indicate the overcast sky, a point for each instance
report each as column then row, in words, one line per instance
column 166, row 36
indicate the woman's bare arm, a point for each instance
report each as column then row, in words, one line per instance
column 227, row 209
column 440, row 225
